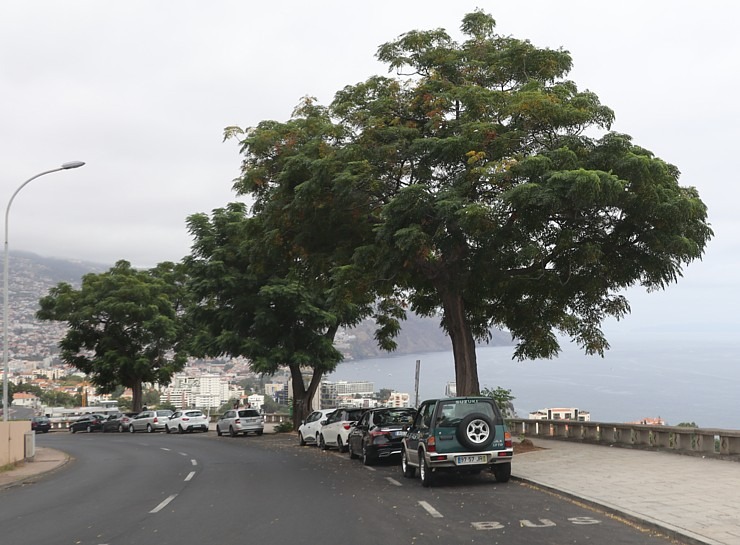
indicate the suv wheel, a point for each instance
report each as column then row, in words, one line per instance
column 502, row 472
column 425, row 472
column 408, row 471
column 218, row 430
column 149, row 428
column 167, row 429
column 232, row 433
column 131, row 428
column 301, row 440
column 475, row 431
column 120, row 428
column 322, row 443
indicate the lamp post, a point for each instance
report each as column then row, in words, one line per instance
column 6, row 367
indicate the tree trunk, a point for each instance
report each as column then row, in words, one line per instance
column 137, row 396
column 302, row 397
column 463, row 343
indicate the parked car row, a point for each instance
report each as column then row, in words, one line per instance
column 463, row 435
column 234, row 422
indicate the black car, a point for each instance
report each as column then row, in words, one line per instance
column 378, row 434
column 88, row 423
column 40, row 424
column 117, row 422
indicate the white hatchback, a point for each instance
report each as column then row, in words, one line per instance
column 187, row 421
column 310, row 429
column 335, row 429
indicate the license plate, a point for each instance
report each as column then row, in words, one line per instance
column 399, row 434
column 469, row 460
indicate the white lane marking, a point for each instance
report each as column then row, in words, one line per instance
column 431, row 510
column 183, row 453
column 194, row 462
column 163, row 448
column 163, row 504
column 393, row 481
column 369, row 468
column 190, row 476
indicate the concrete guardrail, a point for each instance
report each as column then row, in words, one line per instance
column 701, row 441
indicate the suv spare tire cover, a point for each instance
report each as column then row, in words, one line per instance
column 476, row 431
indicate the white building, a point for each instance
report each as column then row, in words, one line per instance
column 399, row 399
column 561, row 413
column 256, row 401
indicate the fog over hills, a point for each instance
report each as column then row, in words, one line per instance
column 31, row 276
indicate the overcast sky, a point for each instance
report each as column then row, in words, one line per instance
column 141, row 91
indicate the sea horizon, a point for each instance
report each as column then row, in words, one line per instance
column 679, row 377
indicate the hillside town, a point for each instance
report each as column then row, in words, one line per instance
column 205, row 384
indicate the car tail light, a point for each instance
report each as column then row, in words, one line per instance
column 507, row 440
column 155, row 420
column 184, row 419
column 438, row 458
column 379, row 437
column 237, row 421
column 431, row 444
column 346, row 426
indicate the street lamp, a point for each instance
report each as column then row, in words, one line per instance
column 6, row 367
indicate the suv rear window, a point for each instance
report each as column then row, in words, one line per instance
column 244, row 413
column 452, row 412
column 193, row 413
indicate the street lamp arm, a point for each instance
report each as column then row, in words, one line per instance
column 6, row 367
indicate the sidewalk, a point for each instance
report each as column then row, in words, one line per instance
column 45, row 461
column 684, row 496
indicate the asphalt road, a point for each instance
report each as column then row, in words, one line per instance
column 158, row 489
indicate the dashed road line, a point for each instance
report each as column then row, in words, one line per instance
column 369, row 468
column 163, row 504
column 164, row 448
column 194, row 462
column 190, row 476
column 393, row 481
column 431, row 510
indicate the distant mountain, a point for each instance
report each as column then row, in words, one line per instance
column 31, row 276
column 418, row 334
column 51, row 269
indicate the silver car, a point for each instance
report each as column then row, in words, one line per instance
column 244, row 421
column 150, row 421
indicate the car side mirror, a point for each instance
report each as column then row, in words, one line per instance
column 323, row 422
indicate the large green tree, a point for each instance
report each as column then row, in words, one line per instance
column 253, row 298
column 124, row 326
column 483, row 185
column 502, row 199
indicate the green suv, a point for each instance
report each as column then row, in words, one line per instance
column 463, row 434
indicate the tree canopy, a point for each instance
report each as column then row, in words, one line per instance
column 479, row 184
column 124, row 326
column 255, row 298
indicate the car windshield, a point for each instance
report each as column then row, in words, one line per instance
column 393, row 416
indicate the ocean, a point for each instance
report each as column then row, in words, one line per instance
column 679, row 377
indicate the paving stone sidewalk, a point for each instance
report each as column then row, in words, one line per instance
column 693, row 497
